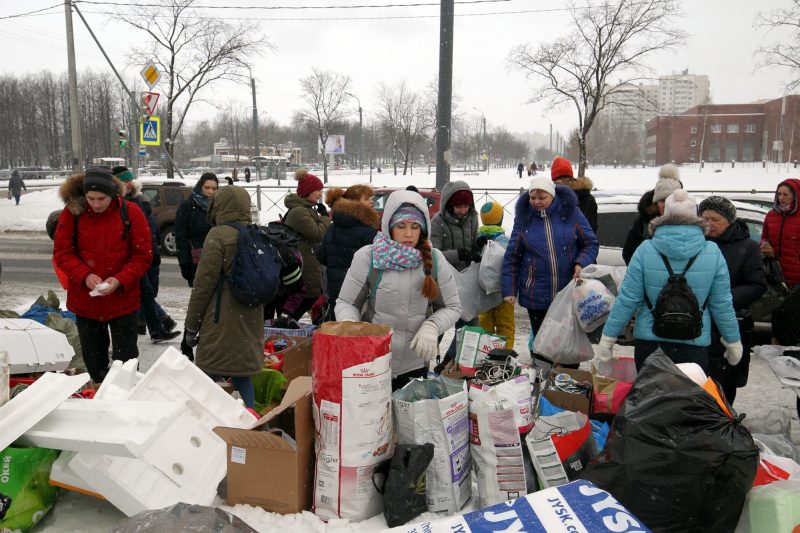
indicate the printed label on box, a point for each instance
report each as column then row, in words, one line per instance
column 238, row 455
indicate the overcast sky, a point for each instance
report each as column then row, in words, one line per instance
column 381, row 49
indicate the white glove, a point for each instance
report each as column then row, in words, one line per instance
column 426, row 341
column 733, row 351
column 604, row 349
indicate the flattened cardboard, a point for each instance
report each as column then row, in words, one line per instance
column 257, row 458
column 297, row 359
column 572, row 402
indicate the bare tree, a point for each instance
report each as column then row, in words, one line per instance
column 784, row 51
column 192, row 51
column 325, row 96
column 606, row 39
column 405, row 118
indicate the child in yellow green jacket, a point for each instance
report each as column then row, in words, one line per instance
column 497, row 320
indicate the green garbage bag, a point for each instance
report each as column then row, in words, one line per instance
column 268, row 385
column 26, row 495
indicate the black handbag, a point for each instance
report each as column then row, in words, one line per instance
column 777, row 290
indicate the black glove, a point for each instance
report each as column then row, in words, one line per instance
column 464, row 254
column 322, row 210
column 190, row 338
column 481, row 241
column 476, row 257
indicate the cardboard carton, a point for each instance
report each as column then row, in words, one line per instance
column 264, row 468
column 572, row 402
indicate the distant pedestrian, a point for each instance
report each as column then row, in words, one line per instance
column 520, row 169
column 192, row 225
column 15, row 185
column 247, row 174
column 781, row 235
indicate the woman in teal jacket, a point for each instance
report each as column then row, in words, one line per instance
column 679, row 235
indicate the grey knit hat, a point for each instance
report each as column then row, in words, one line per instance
column 719, row 204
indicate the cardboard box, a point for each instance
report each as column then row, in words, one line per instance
column 297, row 359
column 264, row 469
column 572, row 402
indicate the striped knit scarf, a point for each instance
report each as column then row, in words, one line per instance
column 388, row 254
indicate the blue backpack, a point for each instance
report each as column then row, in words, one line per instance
column 256, row 272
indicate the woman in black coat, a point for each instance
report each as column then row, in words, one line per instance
column 748, row 283
column 355, row 223
column 191, row 225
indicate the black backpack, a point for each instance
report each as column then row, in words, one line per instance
column 677, row 314
column 256, row 271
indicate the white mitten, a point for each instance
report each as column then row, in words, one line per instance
column 604, row 349
column 426, row 341
column 733, row 351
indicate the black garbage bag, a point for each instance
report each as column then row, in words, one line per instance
column 183, row 518
column 673, row 457
column 404, row 487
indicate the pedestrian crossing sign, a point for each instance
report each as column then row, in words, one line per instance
column 150, row 132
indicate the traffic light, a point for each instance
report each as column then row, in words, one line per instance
column 123, row 138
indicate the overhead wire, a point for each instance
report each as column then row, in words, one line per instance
column 30, row 13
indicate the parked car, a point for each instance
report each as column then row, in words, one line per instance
column 432, row 196
column 165, row 198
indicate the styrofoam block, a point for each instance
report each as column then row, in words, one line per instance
column 120, row 381
column 174, row 378
column 62, row 475
column 120, row 428
column 33, row 347
column 185, row 465
column 23, row 411
column 4, row 392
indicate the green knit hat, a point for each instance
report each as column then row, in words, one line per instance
column 123, row 174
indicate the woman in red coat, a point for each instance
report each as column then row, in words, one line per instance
column 103, row 245
column 781, row 235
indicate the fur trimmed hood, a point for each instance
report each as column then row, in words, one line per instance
column 677, row 220
column 577, row 184
column 564, row 205
column 71, row 193
column 344, row 208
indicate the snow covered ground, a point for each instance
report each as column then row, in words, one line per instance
column 77, row 512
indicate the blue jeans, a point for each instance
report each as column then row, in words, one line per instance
column 677, row 351
column 244, row 385
column 150, row 308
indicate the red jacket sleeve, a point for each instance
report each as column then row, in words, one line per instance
column 64, row 254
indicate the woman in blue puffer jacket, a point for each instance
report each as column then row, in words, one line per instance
column 679, row 235
column 550, row 243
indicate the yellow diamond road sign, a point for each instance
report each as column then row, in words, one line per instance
column 150, row 74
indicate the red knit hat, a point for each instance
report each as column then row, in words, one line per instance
column 561, row 168
column 306, row 182
column 462, row 197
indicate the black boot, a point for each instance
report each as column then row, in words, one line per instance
column 168, row 323
column 164, row 336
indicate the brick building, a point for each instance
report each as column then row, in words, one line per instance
column 727, row 132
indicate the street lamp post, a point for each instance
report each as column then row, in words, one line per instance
column 360, row 133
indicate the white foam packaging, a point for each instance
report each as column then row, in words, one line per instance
column 33, row 347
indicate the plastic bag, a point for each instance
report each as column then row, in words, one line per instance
column 404, row 489
column 561, row 446
column 560, row 338
column 183, row 518
column 592, row 303
column 620, row 368
column 352, row 388
column 610, row 276
column 673, row 456
column 26, row 495
column 608, row 394
column 474, row 300
column 436, row 411
column 491, row 267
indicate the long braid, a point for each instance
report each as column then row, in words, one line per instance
column 430, row 289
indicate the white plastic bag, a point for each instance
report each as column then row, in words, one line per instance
column 610, row 276
column 561, row 339
column 436, row 411
column 473, row 299
column 498, row 416
column 491, row 271
column 592, row 302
